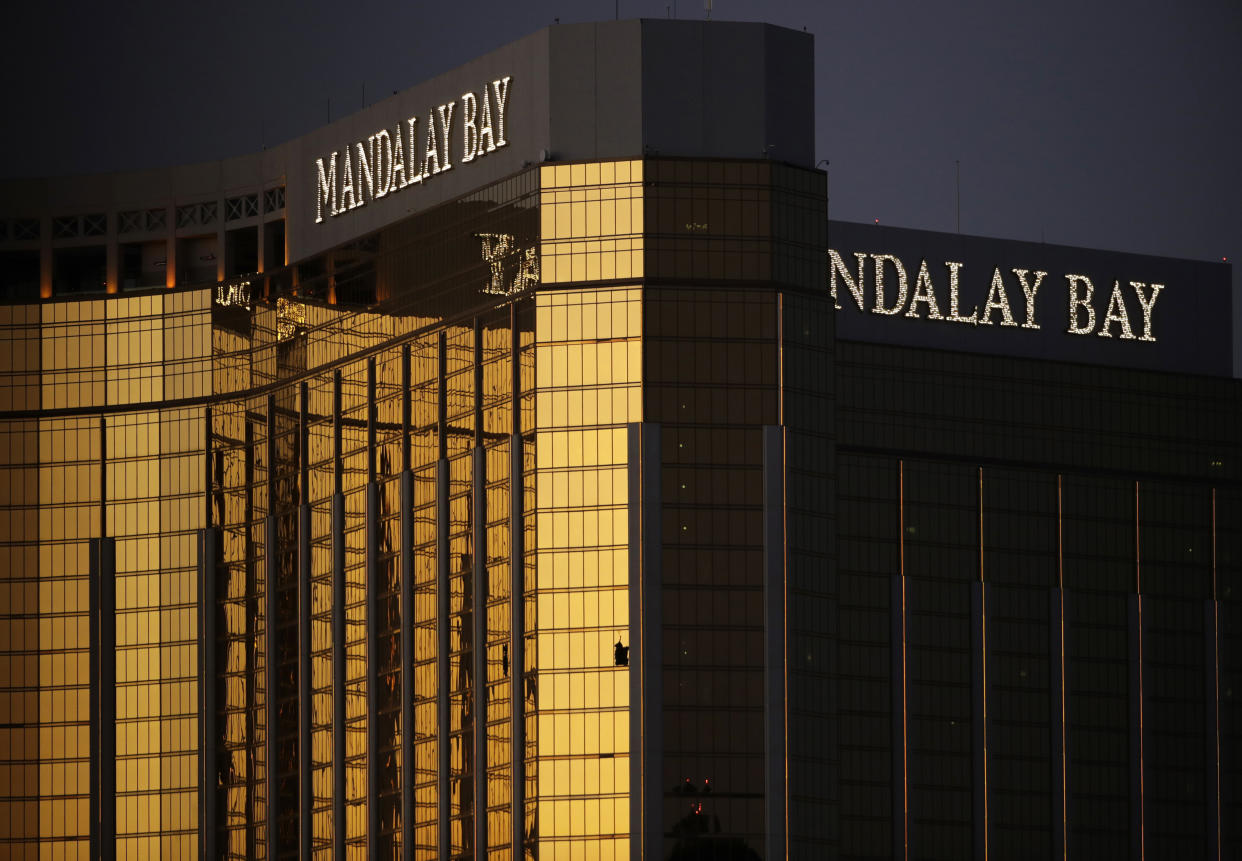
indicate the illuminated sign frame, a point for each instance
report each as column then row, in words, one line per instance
column 389, row 161
column 924, row 303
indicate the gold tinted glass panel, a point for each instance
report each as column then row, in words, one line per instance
column 588, row 372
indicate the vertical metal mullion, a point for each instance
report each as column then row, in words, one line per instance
column 407, row 615
column 775, row 681
column 208, row 637
column 372, row 532
column 646, row 630
column 517, row 645
column 443, row 682
column 251, row 654
column 442, row 654
column 479, row 619
column 338, row 630
column 517, row 598
column 271, row 566
column 479, row 594
column 209, row 539
column 1211, row 704
column 897, row 623
column 1135, row 601
column 306, row 791
column 1056, row 702
column 979, row 698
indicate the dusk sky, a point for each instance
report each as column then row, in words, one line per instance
column 1106, row 124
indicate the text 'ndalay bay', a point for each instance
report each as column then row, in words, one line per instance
column 390, row 161
column 1126, row 309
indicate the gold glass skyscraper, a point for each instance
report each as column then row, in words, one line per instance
column 519, row 469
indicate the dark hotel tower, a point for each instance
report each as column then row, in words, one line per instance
column 526, row 468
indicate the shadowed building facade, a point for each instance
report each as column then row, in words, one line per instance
column 525, row 467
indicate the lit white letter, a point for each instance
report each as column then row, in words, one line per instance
column 954, row 317
column 902, row 286
column 347, row 184
column 326, row 190
column 446, row 123
column 836, row 266
column 501, row 89
column 1030, row 290
column 416, row 174
column 997, row 300
column 383, row 162
column 431, row 152
column 1116, row 313
column 924, row 292
column 398, row 163
column 1148, row 305
column 469, row 131
column 485, row 124
column 364, row 169
column 1076, row 301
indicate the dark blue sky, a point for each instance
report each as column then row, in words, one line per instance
column 1105, row 123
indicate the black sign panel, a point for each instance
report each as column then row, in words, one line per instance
column 946, row 291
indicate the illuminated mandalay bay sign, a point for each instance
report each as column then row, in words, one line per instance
column 389, row 161
column 1013, row 296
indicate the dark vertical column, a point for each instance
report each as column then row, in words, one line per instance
column 103, row 653
column 1136, row 694
column 1211, row 705
column 1056, row 701
column 897, row 624
column 479, row 618
column 517, row 599
column 442, row 651
column 107, row 695
column 372, row 625
column 1056, row 721
column 271, row 560
column 97, row 652
column 338, row 629
column 208, row 636
column 774, row 643
column 105, row 569
column 306, row 791
column 103, row 700
column 251, row 639
column 1136, row 724
column 479, row 591
column 407, row 615
column 646, row 650
column 1211, row 712
column 979, row 699
column 442, row 607
column 979, row 717
column 517, row 646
